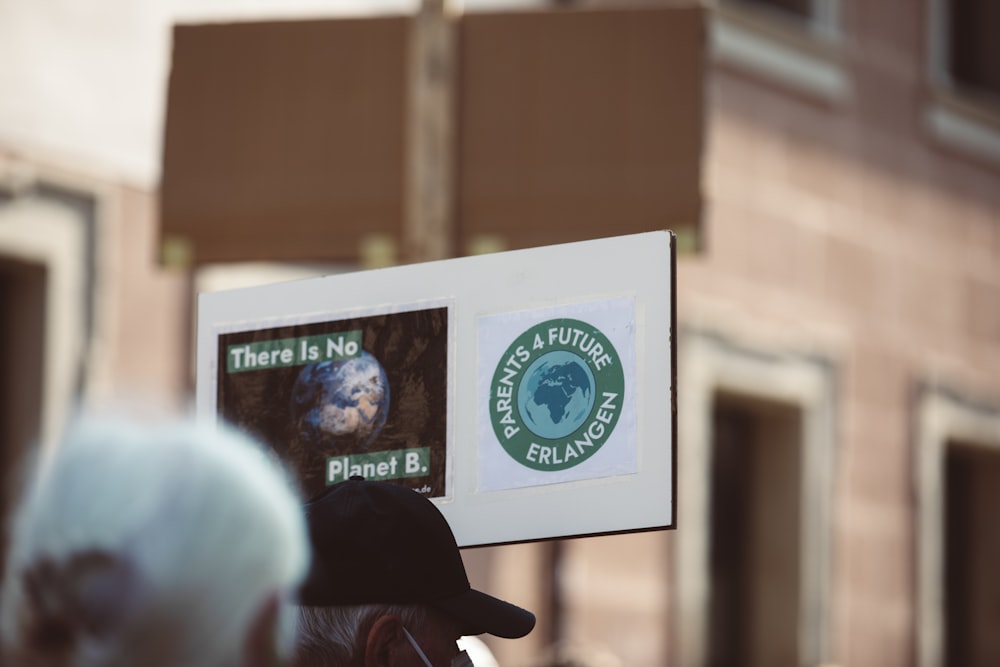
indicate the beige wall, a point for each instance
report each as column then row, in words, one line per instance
column 154, row 320
column 840, row 226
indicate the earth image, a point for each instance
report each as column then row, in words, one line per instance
column 556, row 394
column 340, row 406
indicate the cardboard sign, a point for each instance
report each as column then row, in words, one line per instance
column 530, row 394
column 286, row 140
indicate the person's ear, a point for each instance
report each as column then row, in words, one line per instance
column 260, row 647
column 383, row 640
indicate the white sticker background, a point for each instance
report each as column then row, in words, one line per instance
column 498, row 470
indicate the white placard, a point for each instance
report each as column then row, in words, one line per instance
column 530, row 394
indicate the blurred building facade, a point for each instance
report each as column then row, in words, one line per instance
column 838, row 353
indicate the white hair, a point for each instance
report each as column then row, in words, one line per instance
column 333, row 636
column 149, row 544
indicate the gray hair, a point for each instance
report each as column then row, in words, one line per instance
column 333, row 636
column 148, row 544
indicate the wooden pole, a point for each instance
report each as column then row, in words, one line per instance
column 428, row 217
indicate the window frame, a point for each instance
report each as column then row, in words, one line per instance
column 955, row 116
column 942, row 415
column 805, row 56
column 61, row 223
column 715, row 364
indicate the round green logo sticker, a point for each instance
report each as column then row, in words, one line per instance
column 556, row 394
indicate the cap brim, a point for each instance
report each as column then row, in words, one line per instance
column 481, row 613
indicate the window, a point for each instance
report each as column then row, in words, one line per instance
column 752, row 582
column 794, row 43
column 973, row 52
column 971, row 552
column 957, row 476
column 22, row 330
column 46, row 264
column 754, row 533
column 44, row 297
column 963, row 109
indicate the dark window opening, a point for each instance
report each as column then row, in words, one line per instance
column 754, row 548
column 973, row 45
column 22, row 328
column 972, row 551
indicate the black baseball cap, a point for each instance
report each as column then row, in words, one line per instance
column 379, row 542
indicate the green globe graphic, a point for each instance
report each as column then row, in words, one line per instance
column 556, row 394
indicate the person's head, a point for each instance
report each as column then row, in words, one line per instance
column 387, row 583
column 155, row 544
column 375, row 634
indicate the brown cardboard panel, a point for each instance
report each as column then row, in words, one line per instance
column 579, row 124
column 284, row 140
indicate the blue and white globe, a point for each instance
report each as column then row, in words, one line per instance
column 556, row 394
column 341, row 406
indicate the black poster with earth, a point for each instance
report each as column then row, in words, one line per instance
column 361, row 396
